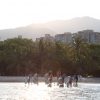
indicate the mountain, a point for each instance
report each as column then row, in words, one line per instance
column 54, row 27
column 26, row 32
column 74, row 25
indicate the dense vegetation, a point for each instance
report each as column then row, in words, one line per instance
column 23, row 56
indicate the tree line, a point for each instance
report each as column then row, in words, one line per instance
column 20, row 56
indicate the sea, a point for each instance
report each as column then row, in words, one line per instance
column 22, row 91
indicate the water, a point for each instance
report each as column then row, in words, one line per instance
column 20, row 91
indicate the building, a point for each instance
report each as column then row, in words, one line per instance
column 90, row 36
column 65, row 38
column 97, row 36
column 47, row 37
column 20, row 36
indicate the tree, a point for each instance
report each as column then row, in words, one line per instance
column 80, row 55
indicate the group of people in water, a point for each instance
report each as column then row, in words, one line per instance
column 31, row 79
column 61, row 79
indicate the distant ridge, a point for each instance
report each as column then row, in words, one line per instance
column 75, row 24
column 54, row 27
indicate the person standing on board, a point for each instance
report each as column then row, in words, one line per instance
column 36, row 78
column 46, row 78
column 70, row 80
column 76, row 80
column 58, row 76
column 50, row 76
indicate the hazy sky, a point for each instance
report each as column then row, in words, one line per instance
column 14, row 13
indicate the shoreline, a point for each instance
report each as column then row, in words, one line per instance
column 41, row 79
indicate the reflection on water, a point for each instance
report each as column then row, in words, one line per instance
column 18, row 91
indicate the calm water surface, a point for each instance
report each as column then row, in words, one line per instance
column 20, row 91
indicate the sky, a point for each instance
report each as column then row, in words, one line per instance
column 16, row 13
